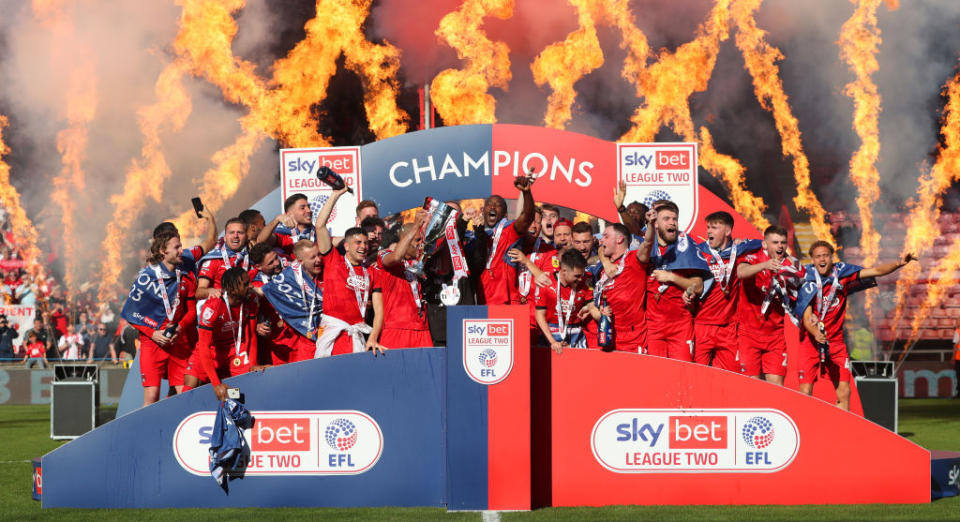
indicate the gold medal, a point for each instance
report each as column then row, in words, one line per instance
column 237, row 362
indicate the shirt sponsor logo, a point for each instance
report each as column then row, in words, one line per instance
column 488, row 349
column 288, row 443
column 701, row 441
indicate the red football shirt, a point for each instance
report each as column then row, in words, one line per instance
column 837, row 310
column 625, row 293
column 663, row 309
column 214, row 268
column 340, row 288
column 498, row 283
column 398, row 300
column 218, row 331
column 720, row 308
column 547, row 301
column 36, row 350
column 753, row 291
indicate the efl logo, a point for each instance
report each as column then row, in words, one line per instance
column 488, row 349
column 703, row 441
column 288, row 443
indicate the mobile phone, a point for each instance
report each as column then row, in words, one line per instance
column 197, row 206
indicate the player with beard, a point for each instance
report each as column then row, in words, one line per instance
column 822, row 304
column 674, row 269
column 267, row 264
column 583, row 240
column 498, row 280
column 296, row 294
column 228, row 339
column 400, row 291
column 559, row 305
column 715, row 323
column 562, row 235
column 347, row 285
column 294, row 224
column 550, row 216
column 769, row 288
column 373, row 227
column 161, row 306
column 622, row 284
column 233, row 252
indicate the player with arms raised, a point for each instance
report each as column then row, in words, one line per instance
column 822, row 305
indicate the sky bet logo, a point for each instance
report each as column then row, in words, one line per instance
column 488, row 349
column 288, row 443
column 705, row 440
column 665, row 159
column 340, row 163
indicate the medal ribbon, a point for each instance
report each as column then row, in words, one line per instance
column 605, row 280
column 414, row 282
column 236, row 329
column 227, row 261
column 167, row 308
column 298, row 275
column 523, row 284
column 824, row 305
column 362, row 296
column 725, row 270
column 496, row 241
column 564, row 319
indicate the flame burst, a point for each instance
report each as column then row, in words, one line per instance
column 922, row 222
column 761, row 61
column 859, row 43
column 81, row 106
column 667, row 86
column 282, row 108
column 145, row 176
column 460, row 96
column 562, row 64
column 24, row 234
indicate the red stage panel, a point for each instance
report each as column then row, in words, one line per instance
column 837, row 457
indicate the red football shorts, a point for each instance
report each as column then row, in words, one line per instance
column 157, row 363
column 835, row 366
column 765, row 355
column 631, row 339
column 673, row 340
column 394, row 338
column 716, row 346
column 290, row 346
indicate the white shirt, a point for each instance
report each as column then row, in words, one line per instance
column 73, row 343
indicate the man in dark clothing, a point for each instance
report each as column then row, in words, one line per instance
column 7, row 336
column 102, row 345
column 126, row 340
column 46, row 336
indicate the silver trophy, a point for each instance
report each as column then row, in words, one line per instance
column 434, row 231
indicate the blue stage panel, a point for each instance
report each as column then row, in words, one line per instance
column 130, row 461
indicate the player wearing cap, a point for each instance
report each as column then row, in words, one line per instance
column 228, row 338
column 294, row 224
column 822, row 304
column 233, row 252
column 768, row 290
column 675, row 269
column 715, row 323
column 400, row 291
column 161, row 306
column 347, row 285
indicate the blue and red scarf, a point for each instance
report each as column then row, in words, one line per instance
column 292, row 300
